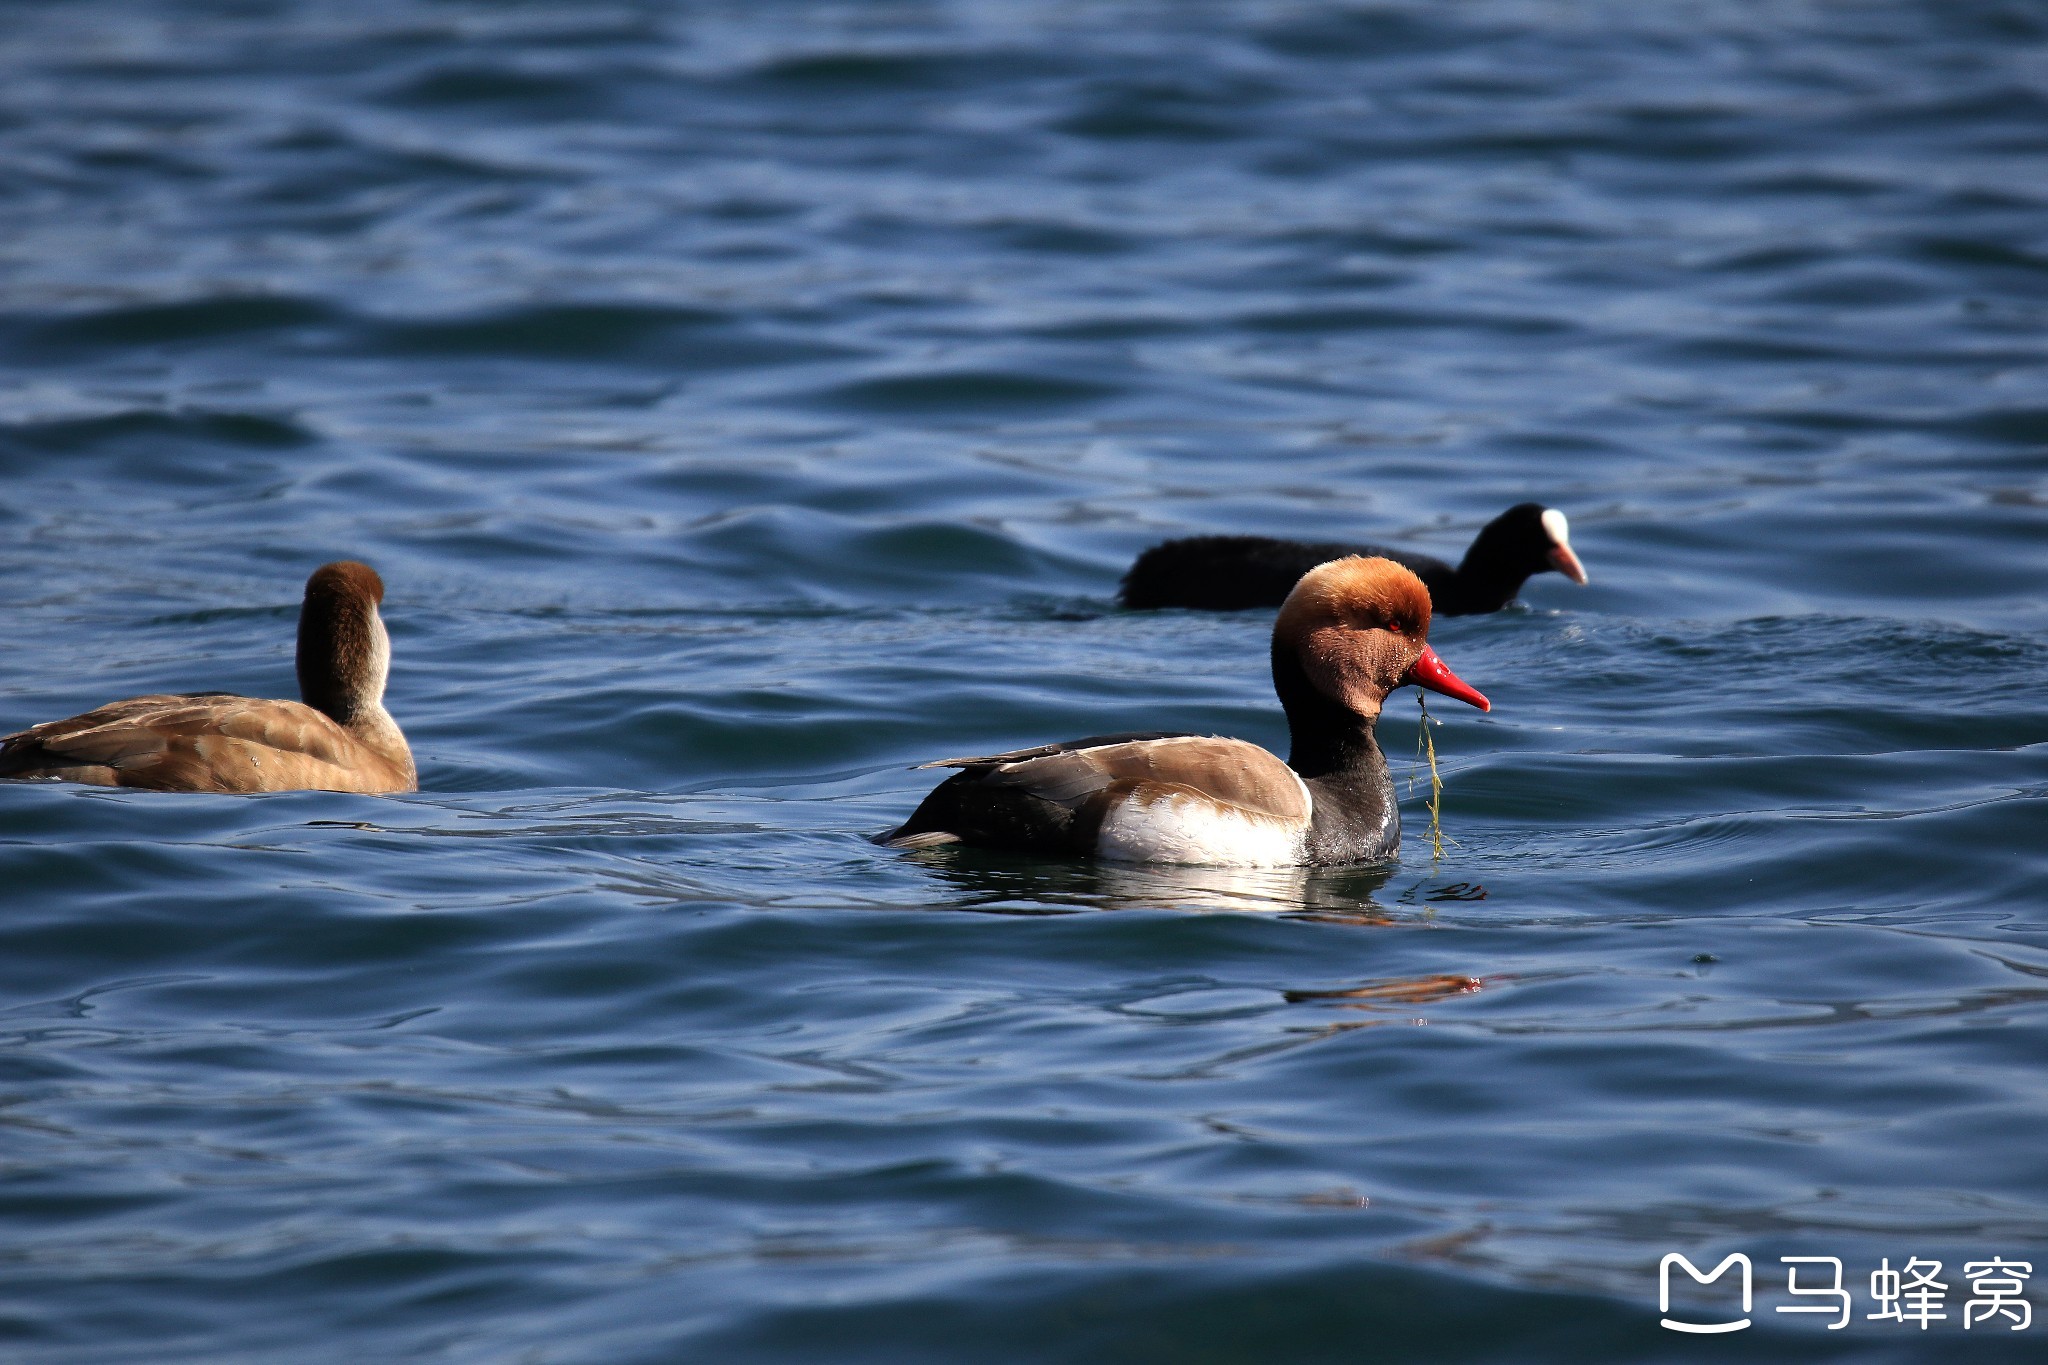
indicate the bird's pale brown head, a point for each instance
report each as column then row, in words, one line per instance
column 345, row 578
column 1360, row 628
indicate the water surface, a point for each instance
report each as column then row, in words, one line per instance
column 746, row 402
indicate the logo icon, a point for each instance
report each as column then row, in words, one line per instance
column 1704, row 1328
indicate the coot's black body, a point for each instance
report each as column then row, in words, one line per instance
column 1230, row 573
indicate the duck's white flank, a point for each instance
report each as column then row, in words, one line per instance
column 1187, row 827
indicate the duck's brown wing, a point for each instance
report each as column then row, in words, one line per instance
column 202, row 741
column 1047, row 750
column 1054, row 797
column 1231, row 771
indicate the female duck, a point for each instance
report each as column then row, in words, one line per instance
column 1228, row 573
column 1350, row 632
column 340, row 738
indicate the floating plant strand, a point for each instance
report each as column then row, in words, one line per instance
column 1425, row 744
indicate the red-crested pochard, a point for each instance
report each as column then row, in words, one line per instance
column 1226, row 573
column 340, row 738
column 1350, row 632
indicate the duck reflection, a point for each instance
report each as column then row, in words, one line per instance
column 1408, row 990
column 1018, row 884
column 997, row 883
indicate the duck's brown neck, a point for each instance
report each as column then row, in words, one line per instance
column 345, row 657
column 339, row 643
column 343, row 660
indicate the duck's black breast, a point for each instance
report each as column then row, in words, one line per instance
column 1357, row 819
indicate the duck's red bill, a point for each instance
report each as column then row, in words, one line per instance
column 1433, row 673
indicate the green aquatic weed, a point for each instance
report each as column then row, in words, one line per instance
column 1425, row 746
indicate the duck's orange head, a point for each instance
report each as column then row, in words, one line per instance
column 1360, row 628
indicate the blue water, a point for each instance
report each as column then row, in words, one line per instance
column 744, row 402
